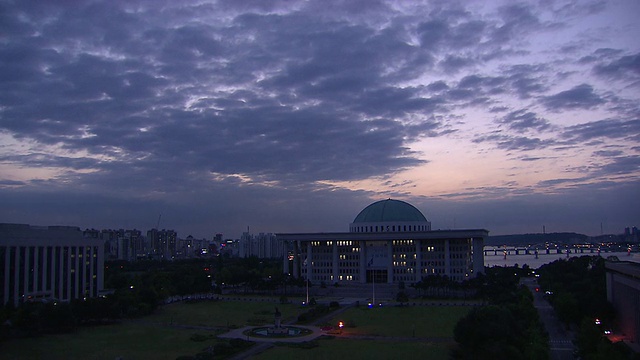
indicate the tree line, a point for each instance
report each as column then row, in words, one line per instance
column 137, row 289
column 578, row 293
column 507, row 326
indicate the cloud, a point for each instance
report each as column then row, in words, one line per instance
column 526, row 80
column 621, row 67
column 611, row 128
column 622, row 165
column 588, row 204
column 523, row 120
column 519, row 143
column 608, row 153
column 579, row 97
column 6, row 183
column 141, row 105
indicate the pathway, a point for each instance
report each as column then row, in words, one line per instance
column 560, row 340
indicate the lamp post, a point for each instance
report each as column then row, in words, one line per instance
column 374, row 288
column 373, row 278
column 307, row 281
column 306, row 266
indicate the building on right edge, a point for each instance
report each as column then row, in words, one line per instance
column 623, row 291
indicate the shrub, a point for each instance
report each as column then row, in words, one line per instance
column 200, row 337
column 303, row 317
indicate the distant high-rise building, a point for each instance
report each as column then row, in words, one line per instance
column 119, row 244
column 263, row 245
column 229, row 248
column 39, row 263
column 163, row 243
column 136, row 243
column 110, row 239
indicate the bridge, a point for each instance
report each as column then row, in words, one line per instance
column 535, row 250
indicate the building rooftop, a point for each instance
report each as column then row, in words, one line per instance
column 628, row 268
column 389, row 210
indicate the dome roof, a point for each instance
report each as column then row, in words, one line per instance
column 389, row 210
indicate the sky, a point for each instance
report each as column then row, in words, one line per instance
column 292, row 116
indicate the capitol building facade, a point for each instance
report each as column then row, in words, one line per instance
column 390, row 241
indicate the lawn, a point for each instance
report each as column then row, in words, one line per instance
column 406, row 321
column 150, row 337
column 130, row 340
column 224, row 313
column 397, row 322
column 360, row 349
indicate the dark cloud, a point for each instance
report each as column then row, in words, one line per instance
column 523, row 120
column 623, row 67
column 526, row 80
column 608, row 153
column 516, row 19
column 210, row 109
column 5, row 183
column 612, row 129
column 529, row 158
column 519, row 143
column 438, row 86
column 600, row 55
column 621, row 165
column 497, row 109
column 580, row 97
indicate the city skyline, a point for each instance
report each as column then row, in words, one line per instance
column 291, row 116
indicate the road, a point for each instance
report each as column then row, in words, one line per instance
column 560, row 340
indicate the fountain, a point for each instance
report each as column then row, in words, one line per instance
column 277, row 330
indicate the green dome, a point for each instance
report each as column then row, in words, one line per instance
column 389, row 210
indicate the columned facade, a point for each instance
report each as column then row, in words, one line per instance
column 48, row 263
column 389, row 241
column 391, row 257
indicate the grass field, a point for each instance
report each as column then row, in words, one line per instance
column 360, row 349
column 129, row 340
column 153, row 338
column 224, row 313
column 149, row 337
column 407, row 321
column 423, row 322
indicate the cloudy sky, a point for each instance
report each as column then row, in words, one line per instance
column 288, row 116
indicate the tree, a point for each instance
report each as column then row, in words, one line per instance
column 587, row 338
column 566, row 307
column 488, row 332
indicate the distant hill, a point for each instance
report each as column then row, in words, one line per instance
column 530, row 239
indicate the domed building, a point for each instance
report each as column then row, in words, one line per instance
column 389, row 241
column 390, row 215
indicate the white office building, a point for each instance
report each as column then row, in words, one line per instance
column 39, row 263
column 389, row 241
